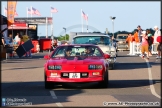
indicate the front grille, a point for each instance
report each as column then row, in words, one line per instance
column 81, row 76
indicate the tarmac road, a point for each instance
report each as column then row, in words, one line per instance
column 132, row 80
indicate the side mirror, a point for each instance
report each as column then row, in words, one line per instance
column 46, row 57
column 106, row 56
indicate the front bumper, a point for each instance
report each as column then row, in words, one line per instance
column 111, row 60
column 89, row 79
column 61, row 78
column 122, row 46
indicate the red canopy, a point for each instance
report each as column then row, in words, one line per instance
column 19, row 26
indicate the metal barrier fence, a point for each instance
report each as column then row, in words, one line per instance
column 136, row 50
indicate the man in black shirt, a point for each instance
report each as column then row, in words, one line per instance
column 2, row 39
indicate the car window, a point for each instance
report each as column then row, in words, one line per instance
column 122, row 37
column 105, row 40
column 64, row 51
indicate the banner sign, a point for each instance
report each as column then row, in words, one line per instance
column 33, row 31
column 11, row 8
column 35, row 20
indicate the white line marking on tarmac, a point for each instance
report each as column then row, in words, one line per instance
column 150, row 80
column 55, row 97
column 59, row 104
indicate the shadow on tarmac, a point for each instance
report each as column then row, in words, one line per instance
column 35, row 92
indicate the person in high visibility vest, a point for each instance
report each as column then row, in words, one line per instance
column 130, row 38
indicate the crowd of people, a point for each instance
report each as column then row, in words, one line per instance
column 9, row 43
column 144, row 39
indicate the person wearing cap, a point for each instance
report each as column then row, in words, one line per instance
column 144, row 45
column 156, row 34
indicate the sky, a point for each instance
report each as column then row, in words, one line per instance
column 128, row 15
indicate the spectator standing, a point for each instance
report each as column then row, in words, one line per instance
column 2, row 39
column 25, row 39
column 17, row 39
column 156, row 34
column 10, row 43
column 150, row 41
column 38, row 48
column 159, row 48
column 114, row 42
column 144, row 45
column 129, row 39
column 136, row 38
column 139, row 35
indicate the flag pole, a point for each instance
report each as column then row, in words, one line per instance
column 4, row 10
column 27, row 18
column 27, row 11
column 82, row 20
column 51, row 25
column 31, row 12
column 87, row 23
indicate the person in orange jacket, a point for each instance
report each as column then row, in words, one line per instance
column 136, row 38
column 130, row 38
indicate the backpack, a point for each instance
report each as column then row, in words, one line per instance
column 150, row 40
column 159, row 39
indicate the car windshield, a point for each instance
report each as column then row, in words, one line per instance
column 122, row 37
column 73, row 51
column 105, row 40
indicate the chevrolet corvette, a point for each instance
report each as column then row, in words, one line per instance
column 76, row 64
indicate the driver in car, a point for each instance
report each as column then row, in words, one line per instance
column 68, row 52
column 89, row 51
column 101, row 41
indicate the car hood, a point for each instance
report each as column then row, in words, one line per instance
column 107, row 49
column 121, row 39
column 75, row 61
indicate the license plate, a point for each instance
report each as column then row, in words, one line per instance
column 74, row 75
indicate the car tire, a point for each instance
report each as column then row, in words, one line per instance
column 104, row 83
column 111, row 66
column 48, row 85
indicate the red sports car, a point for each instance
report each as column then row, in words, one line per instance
column 76, row 63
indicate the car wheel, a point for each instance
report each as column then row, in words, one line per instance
column 111, row 66
column 104, row 83
column 48, row 85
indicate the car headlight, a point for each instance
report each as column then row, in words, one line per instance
column 54, row 67
column 94, row 67
column 112, row 53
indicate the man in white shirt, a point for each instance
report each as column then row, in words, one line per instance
column 17, row 38
column 156, row 34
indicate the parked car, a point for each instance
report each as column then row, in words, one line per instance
column 122, row 44
column 75, row 64
column 100, row 39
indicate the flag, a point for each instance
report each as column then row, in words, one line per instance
column 53, row 10
column 35, row 12
column 29, row 11
column 11, row 8
column 84, row 16
column 16, row 14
